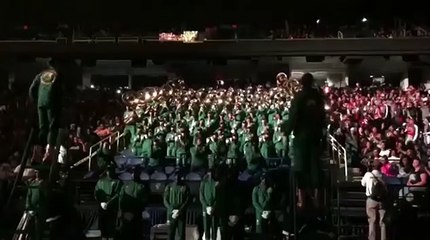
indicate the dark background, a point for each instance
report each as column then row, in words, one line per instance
column 159, row 14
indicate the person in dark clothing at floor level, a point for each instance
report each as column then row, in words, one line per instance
column 228, row 207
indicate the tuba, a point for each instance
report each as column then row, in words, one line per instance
column 291, row 86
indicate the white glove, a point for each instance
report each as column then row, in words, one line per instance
column 209, row 210
column 265, row 214
column 175, row 213
column 145, row 215
column 103, row 205
column 232, row 220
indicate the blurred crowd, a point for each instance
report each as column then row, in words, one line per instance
column 386, row 125
column 318, row 29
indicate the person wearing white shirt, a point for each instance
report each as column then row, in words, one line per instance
column 374, row 207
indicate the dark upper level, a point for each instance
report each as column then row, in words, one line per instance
column 216, row 49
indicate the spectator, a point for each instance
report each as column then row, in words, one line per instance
column 374, row 204
column 419, row 176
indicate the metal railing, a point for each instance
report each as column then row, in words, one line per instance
column 114, row 138
column 339, row 154
column 22, row 230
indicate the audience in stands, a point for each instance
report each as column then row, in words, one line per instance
column 384, row 125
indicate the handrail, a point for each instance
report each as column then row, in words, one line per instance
column 94, row 149
column 22, row 231
column 340, row 151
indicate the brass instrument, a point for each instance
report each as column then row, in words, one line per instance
column 292, row 86
column 175, row 94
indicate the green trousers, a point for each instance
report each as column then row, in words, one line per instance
column 177, row 227
column 108, row 222
column 260, row 224
column 171, row 150
column 37, row 227
column 49, row 124
column 210, row 226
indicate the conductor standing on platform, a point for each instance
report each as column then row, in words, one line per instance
column 307, row 123
column 46, row 91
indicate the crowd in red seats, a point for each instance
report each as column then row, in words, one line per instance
column 383, row 124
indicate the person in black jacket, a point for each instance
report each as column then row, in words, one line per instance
column 229, row 208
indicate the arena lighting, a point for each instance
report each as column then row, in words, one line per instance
column 363, row 20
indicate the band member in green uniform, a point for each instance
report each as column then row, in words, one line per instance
column 181, row 147
column 130, row 118
column 170, row 140
column 106, row 193
column 267, row 149
column 132, row 201
column 36, row 204
column 46, row 91
column 307, row 123
column 233, row 147
column 207, row 199
column 281, row 143
column 176, row 200
column 263, row 204
column 105, row 157
column 199, row 156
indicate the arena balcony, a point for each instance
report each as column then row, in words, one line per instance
column 117, row 48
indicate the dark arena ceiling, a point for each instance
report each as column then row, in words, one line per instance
column 171, row 13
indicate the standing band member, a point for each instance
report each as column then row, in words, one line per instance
column 307, row 123
column 176, row 200
column 46, row 92
column 36, row 203
column 132, row 201
column 263, row 203
column 106, row 193
column 208, row 199
column 130, row 118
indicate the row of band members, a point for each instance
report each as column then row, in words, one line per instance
column 122, row 205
